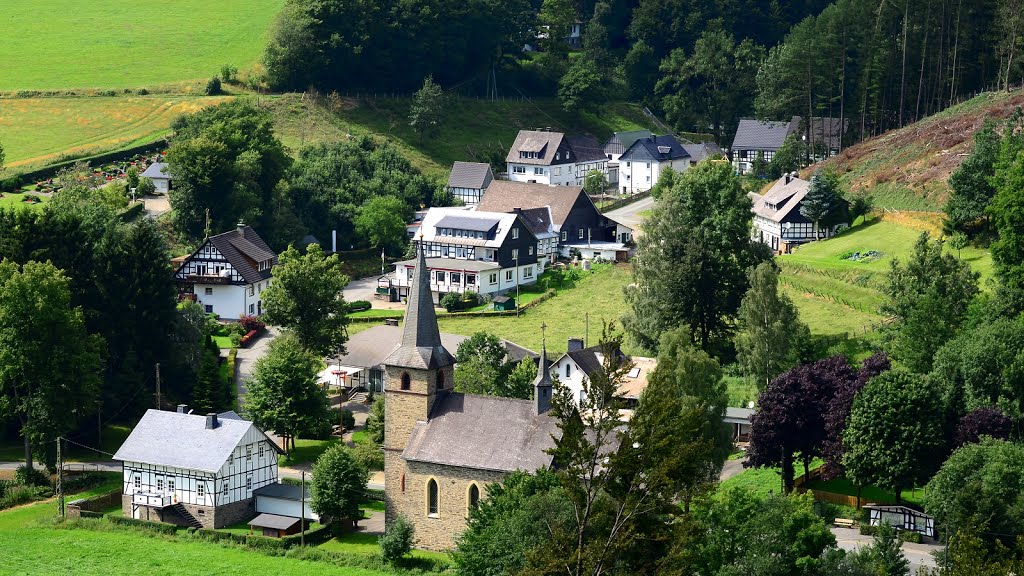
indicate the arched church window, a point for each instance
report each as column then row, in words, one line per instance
column 432, row 498
column 474, row 496
column 406, row 381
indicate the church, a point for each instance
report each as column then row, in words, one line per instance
column 442, row 448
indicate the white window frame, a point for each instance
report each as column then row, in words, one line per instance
column 494, row 278
column 508, row 275
column 515, row 232
column 208, row 291
column 201, row 489
column 581, row 233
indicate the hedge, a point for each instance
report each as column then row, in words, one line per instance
column 13, row 182
column 374, row 494
column 132, row 212
column 158, row 527
column 90, row 514
column 314, row 537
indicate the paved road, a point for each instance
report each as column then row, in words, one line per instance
column 919, row 555
column 247, row 357
column 730, row 469
column 364, row 289
column 630, row 215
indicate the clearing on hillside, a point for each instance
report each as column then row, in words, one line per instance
column 67, row 44
column 36, row 131
column 909, row 168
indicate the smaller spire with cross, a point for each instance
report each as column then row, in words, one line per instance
column 542, row 386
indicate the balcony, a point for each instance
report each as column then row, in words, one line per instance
column 151, row 499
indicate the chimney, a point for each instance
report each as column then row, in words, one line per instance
column 182, row 408
column 787, row 177
column 575, row 344
column 211, row 421
column 241, row 225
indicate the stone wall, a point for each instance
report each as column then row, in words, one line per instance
column 94, row 504
column 208, row 516
column 440, row 531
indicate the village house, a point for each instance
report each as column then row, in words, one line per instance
column 484, row 252
column 579, row 224
column 157, row 173
column 468, row 180
column 581, row 363
column 642, row 163
column 778, row 221
column 545, row 157
column 362, row 365
column 194, row 470
column 762, row 139
column 228, row 273
column 442, row 448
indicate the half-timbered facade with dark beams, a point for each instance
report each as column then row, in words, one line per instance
column 195, row 470
column 228, row 273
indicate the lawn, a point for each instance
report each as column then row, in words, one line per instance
column 12, row 200
column 40, row 130
column 599, row 294
column 363, row 543
column 763, row 482
column 306, row 451
column 62, row 44
column 869, row 494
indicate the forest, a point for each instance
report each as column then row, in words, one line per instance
column 702, row 65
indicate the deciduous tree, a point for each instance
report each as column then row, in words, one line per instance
column 771, row 333
column 382, row 223
column 49, row 365
column 984, row 421
column 926, row 302
column 306, row 298
column 283, row 394
column 696, row 278
column 338, row 485
column 894, row 438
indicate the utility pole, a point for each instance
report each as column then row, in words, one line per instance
column 99, row 422
column 60, row 479
column 586, row 333
column 302, row 520
column 157, row 385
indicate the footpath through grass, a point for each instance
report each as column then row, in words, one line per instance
column 64, row 44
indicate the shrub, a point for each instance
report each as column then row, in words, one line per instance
column 348, row 420
column 912, row 537
column 369, row 455
column 157, row 527
column 251, row 324
column 236, row 340
column 213, row 87
column 228, row 73
column 142, row 92
column 451, row 301
column 146, row 187
column 30, row 476
column 19, row 494
column 397, row 540
column 359, row 306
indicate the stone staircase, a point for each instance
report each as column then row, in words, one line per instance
column 185, row 515
column 358, row 397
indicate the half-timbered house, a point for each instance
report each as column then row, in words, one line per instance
column 228, row 273
column 195, row 470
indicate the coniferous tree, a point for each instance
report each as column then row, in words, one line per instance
column 821, row 199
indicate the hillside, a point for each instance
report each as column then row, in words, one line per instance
column 909, row 168
column 65, row 44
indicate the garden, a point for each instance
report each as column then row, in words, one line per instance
column 236, row 334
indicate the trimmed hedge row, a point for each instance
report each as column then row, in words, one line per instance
column 158, row 527
column 132, row 212
column 91, row 514
column 314, row 537
column 12, row 183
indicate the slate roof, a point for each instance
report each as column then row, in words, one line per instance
column 244, row 249
column 274, row 522
column 181, row 440
column 455, row 264
column 760, row 135
column 477, row 223
column 421, row 340
column 282, row 492
column 506, row 196
column 619, row 141
column 544, row 143
column 586, row 149
column 475, row 220
column 483, row 433
column 738, row 415
column 538, row 220
column 785, row 196
column 156, row 170
column 476, row 175
column 703, row 151
column 662, row 148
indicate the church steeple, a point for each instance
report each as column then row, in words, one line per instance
column 421, row 340
column 542, row 383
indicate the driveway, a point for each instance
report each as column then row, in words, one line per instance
column 156, row 205
column 919, row 555
column 631, row 215
column 247, row 357
column 730, row 469
column 365, row 289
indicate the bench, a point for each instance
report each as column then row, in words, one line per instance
column 843, row 523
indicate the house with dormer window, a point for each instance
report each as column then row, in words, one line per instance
column 778, row 221
column 642, row 163
column 228, row 273
column 544, row 157
column 483, row 252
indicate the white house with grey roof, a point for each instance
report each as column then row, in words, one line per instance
column 580, row 364
column 545, row 157
column 646, row 159
column 228, row 273
column 468, row 180
column 195, row 470
column 484, row 252
column 158, row 174
column 778, row 221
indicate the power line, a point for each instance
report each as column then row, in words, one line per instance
column 84, row 446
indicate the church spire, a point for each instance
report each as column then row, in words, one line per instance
column 542, row 383
column 421, row 340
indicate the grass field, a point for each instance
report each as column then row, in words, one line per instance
column 869, row 493
column 366, row 544
column 12, row 200
column 36, row 131
column 64, row 44
column 306, row 451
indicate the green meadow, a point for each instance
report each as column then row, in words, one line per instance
column 70, row 44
